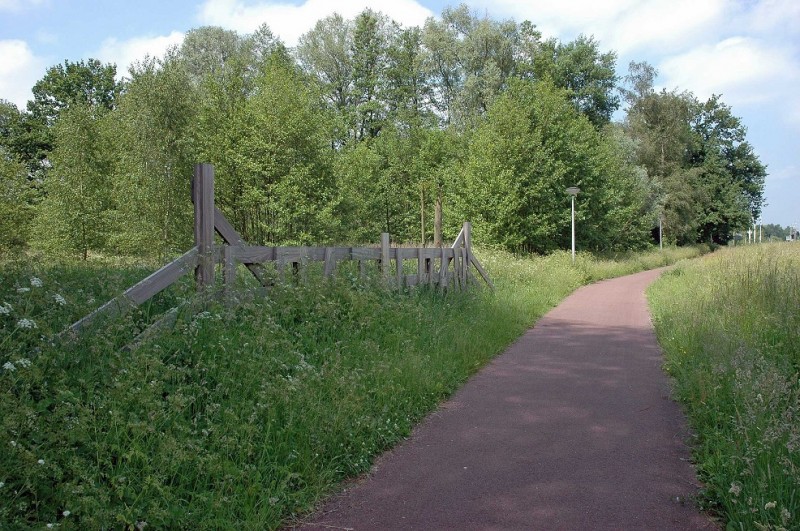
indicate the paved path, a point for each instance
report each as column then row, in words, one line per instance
column 571, row 428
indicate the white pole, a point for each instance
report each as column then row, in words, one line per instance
column 573, row 229
column 660, row 243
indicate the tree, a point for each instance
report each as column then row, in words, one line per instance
column 74, row 213
column 532, row 146
column 588, row 75
column 153, row 158
column 16, row 202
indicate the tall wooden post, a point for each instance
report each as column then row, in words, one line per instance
column 385, row 254
column 203, row 196
column 467, row 249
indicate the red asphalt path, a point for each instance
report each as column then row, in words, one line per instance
column 571, row 428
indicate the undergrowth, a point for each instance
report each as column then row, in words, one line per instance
column 730, row 328
column 243, row 415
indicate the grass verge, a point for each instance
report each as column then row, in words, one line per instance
column 730, row 328
column 245, row 415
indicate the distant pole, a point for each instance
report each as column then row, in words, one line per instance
column 660, row 234
column 573, row 191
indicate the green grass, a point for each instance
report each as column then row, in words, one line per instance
column 730, row 328
column 243, row 415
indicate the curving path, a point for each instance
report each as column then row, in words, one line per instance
column 571, row 428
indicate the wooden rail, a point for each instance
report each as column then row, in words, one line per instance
column 453, row 262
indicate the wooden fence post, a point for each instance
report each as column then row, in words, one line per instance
column 385, row 254
column 467, row 249
column 203, row 195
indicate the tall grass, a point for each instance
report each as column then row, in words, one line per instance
column 730, row 327
column 242, row 415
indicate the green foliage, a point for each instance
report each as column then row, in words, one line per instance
column 731, row 333
column 532, row 146
column 16, row 208
column 73, row 217
column 153, row 160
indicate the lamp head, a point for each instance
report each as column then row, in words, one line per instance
column 573, row 190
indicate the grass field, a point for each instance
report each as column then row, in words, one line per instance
column 730, row 327
column 241, row 416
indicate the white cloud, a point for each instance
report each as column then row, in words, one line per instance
column 124, row 53
column 19, row 5
column 19, row 71
column 289, row 22
column 745, row 70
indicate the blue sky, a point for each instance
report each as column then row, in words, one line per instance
column 746, row 50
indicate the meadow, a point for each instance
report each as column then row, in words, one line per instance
column 241, row 415
column 730, row 327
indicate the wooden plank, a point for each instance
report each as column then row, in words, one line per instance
column 464, row 267
column 420, row 265
column 412, row 280
column 399, row 262
column 482, row 271
column 254, row 254
column 443, row 266
column 231, row 237
column 366, row 253
column 330, row 261
column 203, row 194
column 385, row 254
column 141, row 291
column 429, row 270
column 229, row 270
column 459, row 241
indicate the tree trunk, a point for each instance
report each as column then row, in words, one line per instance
column 437, row 219
column 422, row 212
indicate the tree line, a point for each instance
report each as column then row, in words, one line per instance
column 365, row 127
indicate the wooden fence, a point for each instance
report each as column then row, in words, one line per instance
column 444, row 268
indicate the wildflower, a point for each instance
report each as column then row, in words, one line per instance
column 61, row 301
column 735, row 489
column 5, row 308
column 66, row 513
column 14, row 444
column 26, row 323
column 24, row 362
column 8, row 366
column 36, row 282
column 2, row 484
column 23, row 290
column 769, row 505
column 40, row 461
column 785, row 516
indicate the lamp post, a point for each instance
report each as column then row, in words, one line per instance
column 573, row 191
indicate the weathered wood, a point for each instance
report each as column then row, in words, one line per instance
column 141, row 291
column 482, row 272
column 203, row 194
column 330, row 261
column 459, row 241
column 399, row 253
column 421, row 265
column 444, row 265
column 229, row 270
column 366, row 253
column 385, row 254
column 231, row 237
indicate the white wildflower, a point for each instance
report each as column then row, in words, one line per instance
column 2, row 484
column 5, row 308
column 23, row 290
column 24, row 362
column 785, row 516
column 769, row 505
column 40, row 461
column 49, row 526
column 26, row 323
column 66, row 513
column 90, row 300
column 8, row 366
column 36, row 282
column 735, row 489
column 61, row 301
column 14, row 444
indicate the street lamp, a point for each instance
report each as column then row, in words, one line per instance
column 573, row 191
